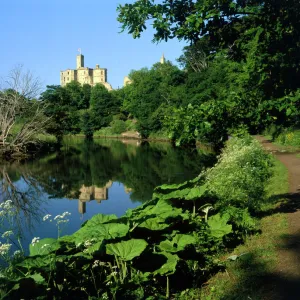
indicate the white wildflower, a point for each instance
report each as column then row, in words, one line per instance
column 87, row 243
column 45, row 218
column 96, row 264
column 17, row 253
column 4, row 248
column 35, row 240
column 7, row 234
column 45, row 245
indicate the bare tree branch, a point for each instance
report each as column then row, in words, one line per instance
column 19, row 108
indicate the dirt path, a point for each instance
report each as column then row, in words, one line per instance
column 285, row 282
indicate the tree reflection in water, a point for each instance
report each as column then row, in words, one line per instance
column 18, row 184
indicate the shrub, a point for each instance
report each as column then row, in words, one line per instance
column 289, row 137
column 118, row 126
column 239, row 177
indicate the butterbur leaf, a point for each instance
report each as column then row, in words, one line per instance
column 101, row 232
column 43, row 247
column 38, row 278
column 218, row 225
column 178, row 243
column 171, row 186
column 178, row 194
column 37, row 262
column 170, row 266
column 196, row 192
column 127, row 250
column 100, row 219
column 154, row 224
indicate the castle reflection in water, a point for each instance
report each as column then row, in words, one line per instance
column 90, row 193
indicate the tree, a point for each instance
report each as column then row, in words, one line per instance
column 151, row 93
column 103, row 106
column 21, row 116
column 187, row 19
column 87, row 125
column 65, row 118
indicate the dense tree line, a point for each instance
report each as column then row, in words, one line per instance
column 240, row 73
column 79, row 108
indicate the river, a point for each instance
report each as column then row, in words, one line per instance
column 86, row 178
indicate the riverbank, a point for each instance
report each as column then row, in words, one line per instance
column 267, row 265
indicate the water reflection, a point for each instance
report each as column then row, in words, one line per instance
column 106, row 176
column 18, row 184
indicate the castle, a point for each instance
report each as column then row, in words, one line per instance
column 85, row 75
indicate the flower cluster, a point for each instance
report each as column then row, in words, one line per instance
column 6, row 208
column 7, row 234
column 59, row 218
column 6, row 205
column 4, row 249
column 45, row 218
column 35, row 240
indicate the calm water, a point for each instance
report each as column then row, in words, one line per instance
column 106, row 176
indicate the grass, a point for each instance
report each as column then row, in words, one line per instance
column 245, row 277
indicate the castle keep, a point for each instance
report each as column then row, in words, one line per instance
column 85, row 75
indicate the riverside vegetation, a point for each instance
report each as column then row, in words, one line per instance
column 147, row 252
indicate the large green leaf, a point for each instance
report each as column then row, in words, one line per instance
column 218, row 226
column 177, row 194
column 100, row 219
column 37, row 262
column 196, row 192
column 100, row 232
column 171, row 186
column 154, row 224
column 38, row 278
column 43, row 247
column 170, row 266
column 127, row 250
column 164, row 210
column 178, row 243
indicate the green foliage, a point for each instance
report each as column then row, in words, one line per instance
column 127, row 250
column 87, row 125
column 118, row 126
column 103, row 106
column 178, row 243
column 241, row 173
column 63, row 111
column 218, row 225
column 43, row 247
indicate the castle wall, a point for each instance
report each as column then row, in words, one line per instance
column 85, row 75
column 67, row 76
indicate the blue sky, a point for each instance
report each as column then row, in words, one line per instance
column 44, row 36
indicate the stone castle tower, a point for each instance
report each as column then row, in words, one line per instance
column 85, row 75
